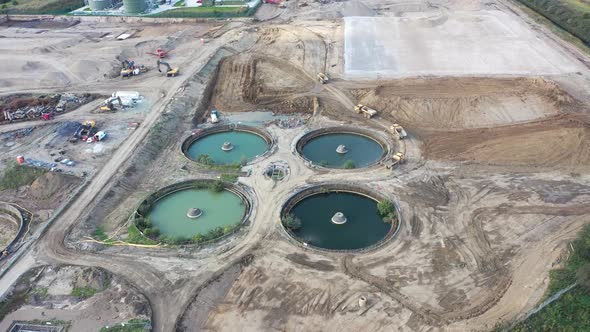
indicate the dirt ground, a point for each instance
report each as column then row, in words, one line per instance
column 49, row 293
column 494, row 186
column 8, row 228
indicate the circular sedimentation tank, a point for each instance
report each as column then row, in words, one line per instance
column 227, row 145
column 341, row 148
column 185, row 210
column 337, row 218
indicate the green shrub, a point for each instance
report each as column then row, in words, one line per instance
column 205, row 159
column 349, row 164
column 231, row 178
column 151, row 232
column 83, row 292
column 217, row 186
column 291, row 222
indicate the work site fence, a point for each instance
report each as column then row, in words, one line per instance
column 239, row 190
column 324, row 188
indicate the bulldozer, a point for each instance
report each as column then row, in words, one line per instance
column 323, row 78
column 367, row 112
column 398, row 131
column 170, row 72
column 108, row 105
column 397, row 158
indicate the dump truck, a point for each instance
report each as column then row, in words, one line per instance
column 323, row 78
column 367, row 112
column 398, row 131
column 397, row 158
column 170, row 72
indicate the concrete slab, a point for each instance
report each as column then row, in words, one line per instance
column 458, row 43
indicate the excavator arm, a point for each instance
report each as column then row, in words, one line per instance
column 168, row 68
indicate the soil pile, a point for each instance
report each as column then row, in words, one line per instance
column 246, row 82
column 557, row 142
column 466, row 103
column 52, row 184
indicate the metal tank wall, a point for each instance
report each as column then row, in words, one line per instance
column 100, row 4
column 135, row 6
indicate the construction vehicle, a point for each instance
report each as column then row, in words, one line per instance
column 322, row 78
column 214, row 116
column 86, row 130
column 108, row 105
column 397, row 158
column 131, row 69
column 398, row 131
column 170, row 72
column 367, row 112
column 160, row 53
column 47, row 116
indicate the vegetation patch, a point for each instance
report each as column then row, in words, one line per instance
column 17, row 175
column 570, row 312
column 37, row 7
column 349, row 164
column 134, row 325
column 291, row 222
column 84, row 292
column 135, row 236
column 387, row 211
column 570, row 15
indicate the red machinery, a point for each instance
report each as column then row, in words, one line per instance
column 160, row 53
column 47, row 116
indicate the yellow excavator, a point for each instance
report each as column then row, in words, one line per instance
column 170, row 72
column 108, row 105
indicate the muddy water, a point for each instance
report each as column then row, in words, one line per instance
column 362, row 228
column 362, row 150
column 219, row 210
column 246, row 147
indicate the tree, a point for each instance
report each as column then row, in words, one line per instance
column 291, row 222
column 14, row 3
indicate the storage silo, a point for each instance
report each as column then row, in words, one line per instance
column 100, row 4
column 135, row 6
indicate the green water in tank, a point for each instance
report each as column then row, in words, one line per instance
column 246, row 146
column 168, row 214
column 362, row 151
